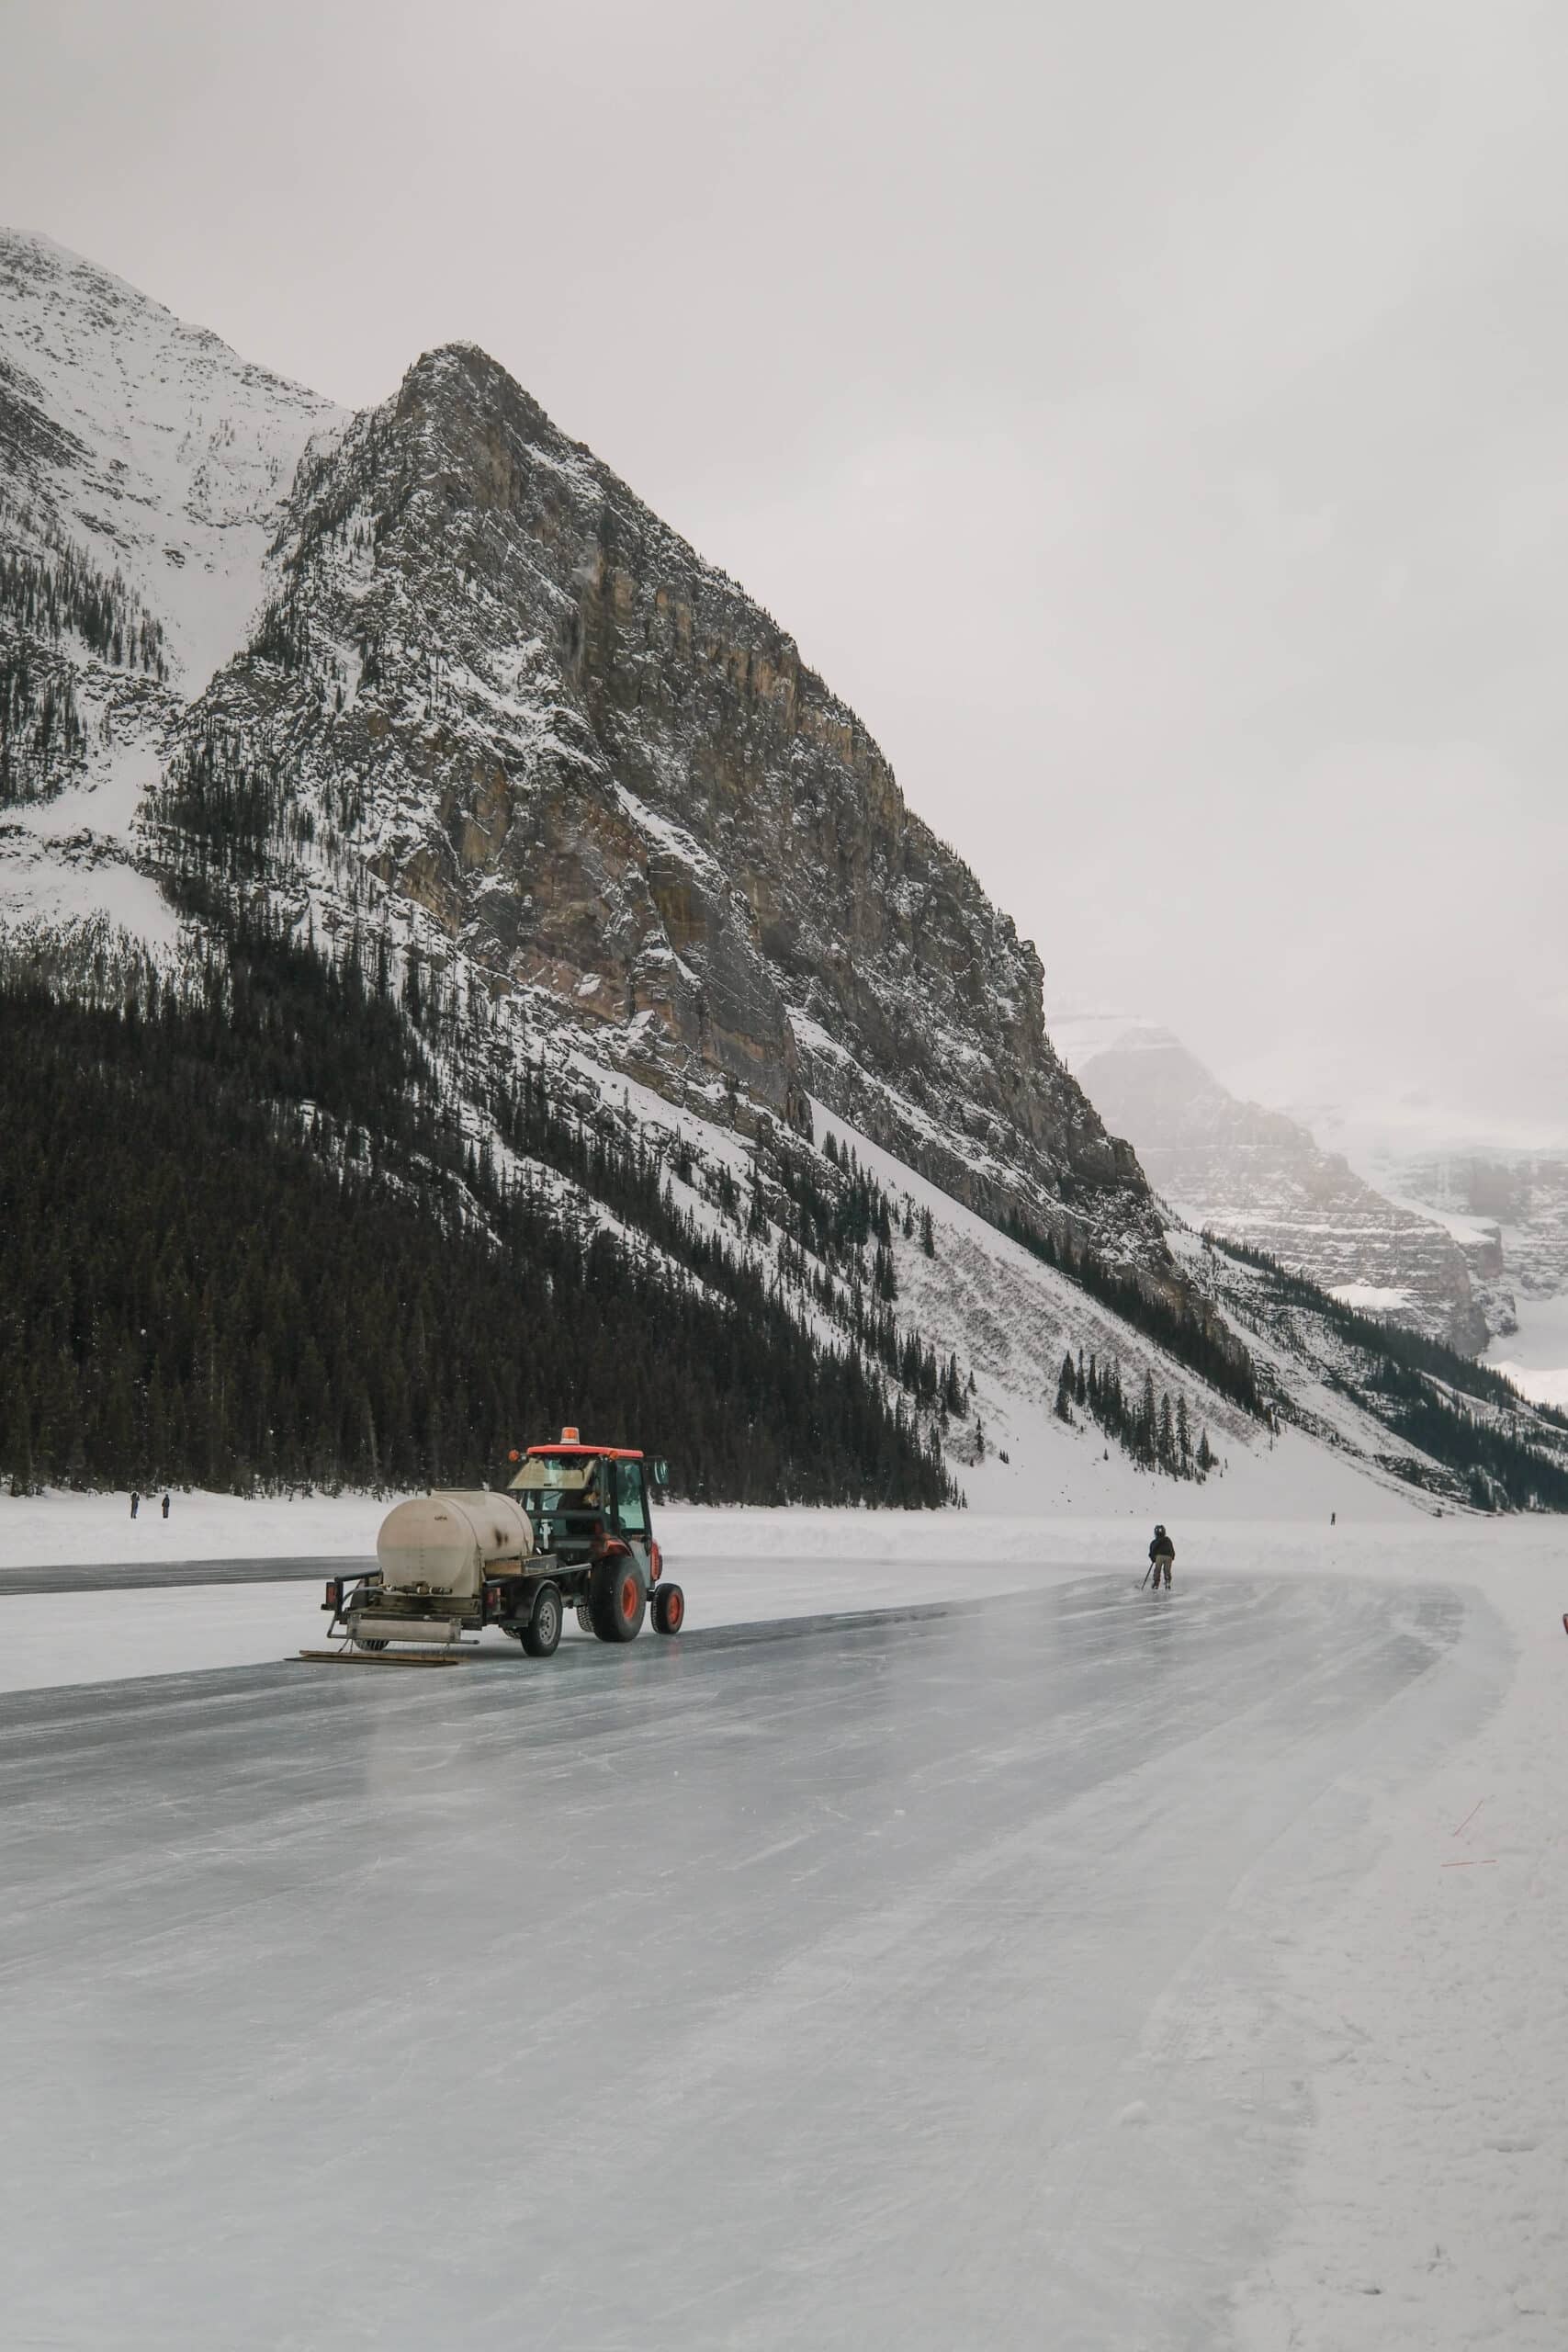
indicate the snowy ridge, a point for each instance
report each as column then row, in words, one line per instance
column 147, row 456
column 1260, row 1177
column 150, row 442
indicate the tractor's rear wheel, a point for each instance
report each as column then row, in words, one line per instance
column 362, row 1642
column 618, row 1598
column 541, row 1634
column 668, row 1608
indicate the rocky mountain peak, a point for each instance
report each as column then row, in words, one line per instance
column 608, row 777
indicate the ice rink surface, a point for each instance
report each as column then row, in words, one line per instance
column 902, row 1980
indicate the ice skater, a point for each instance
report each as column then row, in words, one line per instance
column 135, row 1505
column 166, row 1506
column 1162, row 1552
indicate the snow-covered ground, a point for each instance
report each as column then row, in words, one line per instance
column 147, row 450
column 1369, row 1298
column 1535, row 1357
column 171, row 456
column 1336, row 2057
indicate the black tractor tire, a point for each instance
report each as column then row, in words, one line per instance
column 584, row 1617
column 618, row 1598
column 668, row 1608
column 541, row 1634
column 362, row 1642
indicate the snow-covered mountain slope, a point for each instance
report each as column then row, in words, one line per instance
column 154, row 449
column 1508, row 1208
column 143, row 470
column 1259, row 1176
column 496, row 758
column 1407, row 1406
column 514, row 876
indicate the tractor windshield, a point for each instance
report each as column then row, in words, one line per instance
column 558, row 1483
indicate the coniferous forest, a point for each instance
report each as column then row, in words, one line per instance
column 259, row 1252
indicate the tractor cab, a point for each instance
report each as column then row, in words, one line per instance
column 582, row 1500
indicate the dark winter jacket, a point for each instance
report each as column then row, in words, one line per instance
column 1162, row 1548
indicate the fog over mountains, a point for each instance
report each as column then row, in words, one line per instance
column 1259, row 1177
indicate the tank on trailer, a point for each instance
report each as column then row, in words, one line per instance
column 448, row 1542
column 575, row 1531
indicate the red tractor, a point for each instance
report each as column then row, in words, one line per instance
column 590, row 1510
column 575, row 1529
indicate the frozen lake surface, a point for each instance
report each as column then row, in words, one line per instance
column 901, row 1981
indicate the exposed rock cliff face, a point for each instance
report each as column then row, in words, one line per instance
column 493, row 677
column 1258, row 1177
column 423, row 715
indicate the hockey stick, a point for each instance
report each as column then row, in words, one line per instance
column 1150, row 1569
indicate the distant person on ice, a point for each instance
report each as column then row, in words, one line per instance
column 166, row 1506
column 1162, row 1551
column 135, row 1505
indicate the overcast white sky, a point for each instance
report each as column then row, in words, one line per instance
column 1150, row 416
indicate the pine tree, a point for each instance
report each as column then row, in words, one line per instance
column 20, row 1445
column 1065, row 1390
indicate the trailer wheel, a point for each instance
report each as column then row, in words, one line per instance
column 541, row 1635
column 618, row 1598
column 668, row 1608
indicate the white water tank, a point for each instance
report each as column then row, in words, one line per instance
column 451, row 1542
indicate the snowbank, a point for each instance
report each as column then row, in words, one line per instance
column 98, row 1531
column 1296, row 1483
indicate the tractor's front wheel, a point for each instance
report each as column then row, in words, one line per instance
column 584, row 1617
column 541, row 1634
column 668, row 1608
column 618, row 1598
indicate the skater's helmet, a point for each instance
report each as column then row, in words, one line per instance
column 1158, row 1529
